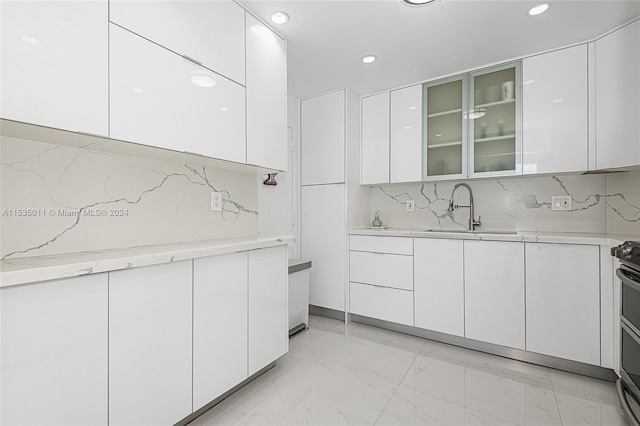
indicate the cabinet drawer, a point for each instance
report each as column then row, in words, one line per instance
column 388, row 304
column 393, row 245
column 389, row 270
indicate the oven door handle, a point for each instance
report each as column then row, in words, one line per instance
column 625, row 278
column 625, row 404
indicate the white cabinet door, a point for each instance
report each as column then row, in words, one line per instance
column 268, row 306
column 219, row 325
column 55, row 64
column 212, row 32
column 150, row 356
column 54, row 352
column 375, row 139
column 618, row 98
column 384, row 303
column 161, row 99
column 494, row 292
column 266, row 96
column 554, row 112
column 323, row 139
column 439, row 285
column 406, row 134
column 324, row 242
column 563, row 301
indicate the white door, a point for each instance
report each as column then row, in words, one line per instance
column 494, row 292
column 268, row 306
column 150, row 356
column 406, row 135
column 53, row 359
column 220, row 298
column 375, row 139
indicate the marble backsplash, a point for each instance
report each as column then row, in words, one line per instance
column 601, row 203
column 57, row 199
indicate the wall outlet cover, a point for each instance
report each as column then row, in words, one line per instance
column 561, row 203
column 411, row 206
column 216, row 201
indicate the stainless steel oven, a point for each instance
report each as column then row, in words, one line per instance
column 629, row 383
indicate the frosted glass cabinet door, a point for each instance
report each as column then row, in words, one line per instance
column 161, row 99
column 322, row 141
column 494, row 121
column 219, row 325
column 266, row 97
column 618, row 98
column 554, row 112
column 212, row 32
column 406, row 135
column 494, row 292
column 53, row 360
column 268, row 306
column 55, row 64
column 150, row 356
column 375, row 139
column 444, row 129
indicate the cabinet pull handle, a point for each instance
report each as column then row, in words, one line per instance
column 193, row 153
column 189, row 58
column 377, row 252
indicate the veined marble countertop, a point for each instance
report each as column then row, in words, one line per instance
column 487, row 235
column 43, row 268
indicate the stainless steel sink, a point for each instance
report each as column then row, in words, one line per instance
column 477, row 231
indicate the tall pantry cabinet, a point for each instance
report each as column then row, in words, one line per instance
column 330, row 169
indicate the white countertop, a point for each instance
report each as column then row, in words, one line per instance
column 44, row 268
column 526, row 236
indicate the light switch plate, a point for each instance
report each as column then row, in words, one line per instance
column 216, row 201
column 411, row 206
column 561, row 202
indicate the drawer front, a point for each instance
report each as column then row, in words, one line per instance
column 388, row 304
column 388, row 270
column 394, row 245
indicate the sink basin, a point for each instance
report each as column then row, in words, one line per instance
column 477, row 231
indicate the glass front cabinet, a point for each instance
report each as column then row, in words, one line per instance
column 472, row 125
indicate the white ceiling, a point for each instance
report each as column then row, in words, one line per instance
column 326, row 39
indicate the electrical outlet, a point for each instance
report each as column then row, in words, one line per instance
column 216, row 201
column 411, row 206
column 561, row 202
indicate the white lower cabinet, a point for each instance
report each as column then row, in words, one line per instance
column 389, row 270
column 53, row 355
column 150, row 341
column 220, row 292
column 384, row 303
column 268, row 306
column 563, row 301
column 494, row 292
column 439, row 285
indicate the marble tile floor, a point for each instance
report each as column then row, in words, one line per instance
column 337, row 374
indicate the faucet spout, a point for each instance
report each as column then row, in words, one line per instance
column 472, row 222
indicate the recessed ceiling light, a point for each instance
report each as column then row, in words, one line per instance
column 29, row 39
column 418, row 2
column 201, row 79
column 367, row 59
column 538, row 10
column 279, row 17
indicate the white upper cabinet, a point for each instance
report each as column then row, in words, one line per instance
column 55, row 64
column 554, row 108
column 161, row 99
column 494, row 296
column 406, row 135
column 618, row 98
column 375, row 139
column 211, row 32
column 323, row 139
column 266, row 96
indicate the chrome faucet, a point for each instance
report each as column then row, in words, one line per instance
column 472, row 222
